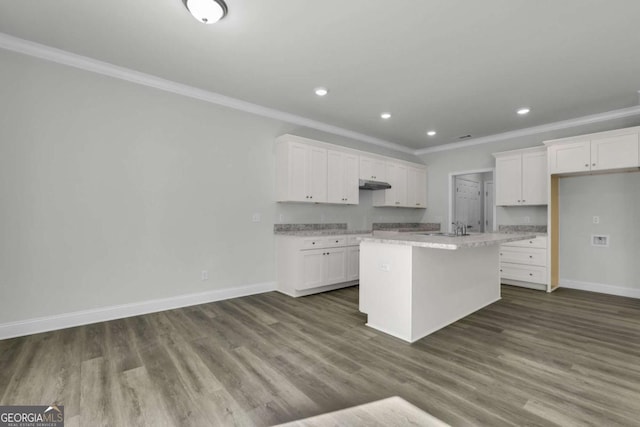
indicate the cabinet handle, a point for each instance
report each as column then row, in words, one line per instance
column 593, row 164
column 336, row 241
column 313, row 243
column 586, row 165
column 530, row 256
column 523, row 200
column 519, row 201
column 500, row 270
column 530, row 274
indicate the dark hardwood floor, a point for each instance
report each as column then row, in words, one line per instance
column 567, row 358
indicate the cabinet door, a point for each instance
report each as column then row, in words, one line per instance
column 351, row 174
column 614, row 152
column 534, row 178
column 398, row 178
column 317, row 174
column 298, row 176
column 372, row 168
column 336, row 177
column 416, row 188
column 353, row 263
column 336, row 265
column 509, row 180
column 313, row 269
column 570, row 157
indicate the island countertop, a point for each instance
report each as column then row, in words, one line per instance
column 449, row 243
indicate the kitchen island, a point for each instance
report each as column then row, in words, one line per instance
column 413, row 285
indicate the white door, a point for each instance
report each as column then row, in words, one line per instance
column 467, row 209
column 614, row 152
column 570, row 157
column 534, row 178
column 488, row 206
column 509, row 180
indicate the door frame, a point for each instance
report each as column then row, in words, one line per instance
column 452, row 177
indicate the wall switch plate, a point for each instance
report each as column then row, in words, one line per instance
column 385, row 267
column 281, row 218
column 601, row 240
column 527, row 219
column 596, row 220
column 256, row 217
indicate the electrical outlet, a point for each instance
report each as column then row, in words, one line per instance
column 205, row 275
column 385, row 267
column 281, row 218
column 596, row 220
column 527, row 219
column 256, row 217
column 601, row 240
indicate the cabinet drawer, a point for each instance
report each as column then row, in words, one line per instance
column 524, row 273
column 518, row 255
column 336, row 241
column 538, row 242
column 314, row 243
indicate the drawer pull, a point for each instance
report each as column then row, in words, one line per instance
column 530, row 256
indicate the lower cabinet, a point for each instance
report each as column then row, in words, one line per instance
column 524, row 263
column 308, row 265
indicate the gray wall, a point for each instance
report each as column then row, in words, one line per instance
column 615, row 198
column 114, row 193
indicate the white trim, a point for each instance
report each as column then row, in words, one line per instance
column 565, row 124
column 600, row 287
column 452, row 175
column 85, row 317
column 63, row 57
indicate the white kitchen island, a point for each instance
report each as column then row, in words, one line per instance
column 413, row 285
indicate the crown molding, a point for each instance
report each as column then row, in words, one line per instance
column 565, row 124
column 63, row 57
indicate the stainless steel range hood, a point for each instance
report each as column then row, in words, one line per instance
column 366, row 184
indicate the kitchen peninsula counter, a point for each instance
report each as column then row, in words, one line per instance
column 412, row 285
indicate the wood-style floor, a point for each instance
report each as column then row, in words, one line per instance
column 567, row 358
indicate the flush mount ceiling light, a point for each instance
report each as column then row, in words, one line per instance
column 321, row 91
column 385, row 115
column 431, row 133
column 523, row 111
column 206, row 11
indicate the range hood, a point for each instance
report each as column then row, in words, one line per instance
column 366, row 184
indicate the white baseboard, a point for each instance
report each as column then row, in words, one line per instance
column 85, row 317
column 600, row 287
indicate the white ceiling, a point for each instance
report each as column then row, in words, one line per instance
column 457, row 66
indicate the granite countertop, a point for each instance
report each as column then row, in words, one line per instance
column 450, row 243
column 325, row 232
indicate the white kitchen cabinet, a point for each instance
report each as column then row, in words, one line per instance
column 308, row 265
column 342, row 178
column 604, row 151
column 397, row 176
column 372, row 168
column 301, row 172
column 521, row 177
column 524, row 263
column 353, row 262
column 416, row 187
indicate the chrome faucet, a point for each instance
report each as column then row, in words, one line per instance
column 460, row 228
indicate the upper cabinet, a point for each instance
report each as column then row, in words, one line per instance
column 316, row 172
column 604, row 151
column 342, row 175
column 417, row 187
column 301, row 172
column 521, row 177
column 408, row 186
column 372, row 168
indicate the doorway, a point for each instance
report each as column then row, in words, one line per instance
column 471, row 200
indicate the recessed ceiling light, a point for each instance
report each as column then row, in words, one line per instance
column 385, row 115
column 523, row 111
column 431, row 133
column 206, row 11
column 321, row 91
